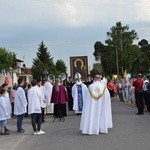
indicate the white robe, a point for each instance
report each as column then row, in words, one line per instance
column 48, row 89
column 8, row 105
column 35, row 100
column 97, row 116
column 43, row 91
column 75, row 95
column 20, row 104
column 3, row 108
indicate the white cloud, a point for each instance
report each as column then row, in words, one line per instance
column 30, row 21
column 69, row 13
column 48, row 13
column 77, row 15
column 143, row 13
column 28, row 13
column 95, row 13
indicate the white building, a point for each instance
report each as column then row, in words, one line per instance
column 18, row 71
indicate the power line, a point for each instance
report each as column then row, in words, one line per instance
column 145, row 28
column 51, row 45
column 59, row 44
column 143, row 31
column 97, row 3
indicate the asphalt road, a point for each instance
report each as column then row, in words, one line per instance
column 130, row 132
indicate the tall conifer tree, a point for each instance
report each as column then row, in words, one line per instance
column 42, row 61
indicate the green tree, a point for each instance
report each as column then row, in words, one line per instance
column 144, row 60
column 119, row 51
column 99, row 51
column 60, row 67
column 120, row 40
column 143, row 43
column 6, row 60
column 42, row 61
column 97, row 68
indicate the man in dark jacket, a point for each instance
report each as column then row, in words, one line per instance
column 69, row 86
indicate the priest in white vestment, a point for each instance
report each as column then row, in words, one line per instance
column 97, row 115
column 48, row 92
column 79, row 94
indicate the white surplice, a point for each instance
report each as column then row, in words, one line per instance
column 8, row 105
column 20, row 103
column 75, row 95
column 3, row 108
column 48, row 94
column 43, row 91
column 35, row 100
column 97, row 115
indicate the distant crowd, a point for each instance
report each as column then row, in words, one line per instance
column 135, row 91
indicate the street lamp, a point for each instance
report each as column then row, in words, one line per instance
column 45, row 73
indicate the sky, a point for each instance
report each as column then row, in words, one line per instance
column 67, row 27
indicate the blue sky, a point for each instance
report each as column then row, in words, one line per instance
column 67, row 27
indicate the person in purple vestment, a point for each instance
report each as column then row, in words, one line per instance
column 59, row 98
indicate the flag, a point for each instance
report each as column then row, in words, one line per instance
column 6, row 80
column 115, row 76
column 125, row 73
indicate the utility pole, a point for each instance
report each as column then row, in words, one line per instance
column 117, row 63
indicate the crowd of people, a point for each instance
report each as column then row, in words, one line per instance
column 135, row 91
column 91, row 99
column 31, row 100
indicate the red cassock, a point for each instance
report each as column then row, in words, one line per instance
column 59, row 96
